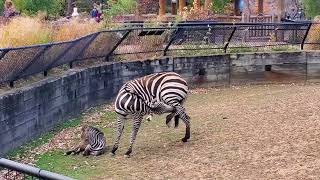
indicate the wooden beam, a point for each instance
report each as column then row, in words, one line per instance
column 260, row 7
column 182, row 4
column 162, row 9
column 207, row 4
column 197, row 4
column 281, row 8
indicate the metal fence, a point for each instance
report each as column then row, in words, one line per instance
column 10, row 170
column 136, row 41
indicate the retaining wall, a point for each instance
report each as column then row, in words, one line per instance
column 29, row 111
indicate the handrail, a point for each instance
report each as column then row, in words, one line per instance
column 32, row 171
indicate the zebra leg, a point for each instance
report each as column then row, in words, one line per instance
column 120, row 127
column 169, row 118
column 149, row 117
column 87, row 150
column 176, row 121
column 135, row 129
column 186, row 119
column 98, row 153
column 72, row 151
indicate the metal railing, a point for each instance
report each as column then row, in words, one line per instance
column 138, row 41
column 14, row 170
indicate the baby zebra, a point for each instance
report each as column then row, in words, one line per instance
column 92, row 142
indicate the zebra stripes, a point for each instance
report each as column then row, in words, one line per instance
column 93, row 142
column 156, row 93
column 96, row 141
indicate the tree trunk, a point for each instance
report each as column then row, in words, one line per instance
column 197, row 4
column 70, row 7
column 207, row 4
column 182, row 4
column 162, row 9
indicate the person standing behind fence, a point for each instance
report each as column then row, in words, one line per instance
column 9, row 9
column 99, row 14
column 94, row 12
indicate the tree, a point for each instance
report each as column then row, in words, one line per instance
column 311, row 7
column 70, row 7
column 207, row 4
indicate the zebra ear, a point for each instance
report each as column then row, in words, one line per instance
column 84, row 127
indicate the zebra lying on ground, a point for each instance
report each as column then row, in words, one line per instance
column 136, row 98
column 92, row 142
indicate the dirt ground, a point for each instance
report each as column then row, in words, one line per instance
column 253, row 132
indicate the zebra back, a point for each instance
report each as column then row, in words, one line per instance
column 95, row 138
column 168, row 87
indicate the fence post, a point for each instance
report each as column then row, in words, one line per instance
column 118, row 43
column 171, row 41
column 305, row 36
column 229, row 39
column 3, row 53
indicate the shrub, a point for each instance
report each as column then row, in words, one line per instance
column 121, row 7
column 75, row 29
column 1, row 6
column 31, row 7
column 24, row 31
column 311, row 7
column 219, row 6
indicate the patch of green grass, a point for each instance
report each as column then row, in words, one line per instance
column 44, row 138
column 109, row 116
column 73, row 166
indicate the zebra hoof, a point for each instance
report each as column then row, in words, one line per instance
column 127, row 156
column 112, row 154
column 184, row 140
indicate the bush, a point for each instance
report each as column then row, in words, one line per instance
column 32, row 7
column 219, row 6
column 311, row 7
column 75, row 29
column 21, row 31
column 121, row 7
column 1, row 6
column 24, row 31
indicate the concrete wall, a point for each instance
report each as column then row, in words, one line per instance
column 29, row 111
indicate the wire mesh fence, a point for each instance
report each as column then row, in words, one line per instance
column 138, row 42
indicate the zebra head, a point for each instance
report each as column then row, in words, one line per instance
column 160, row 107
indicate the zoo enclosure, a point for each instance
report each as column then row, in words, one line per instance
column 140, row 42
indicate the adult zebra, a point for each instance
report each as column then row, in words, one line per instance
column 156, row 93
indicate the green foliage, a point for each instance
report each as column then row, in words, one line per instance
column 72, row 166
column 219, row 5
column 121, row 7
column 1, row 6
column 87, row 5
column 31, row 7
column 311, row 7
column 44, row 138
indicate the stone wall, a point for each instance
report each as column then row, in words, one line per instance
column 29, row 111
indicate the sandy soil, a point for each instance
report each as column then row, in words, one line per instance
column 253, row 132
